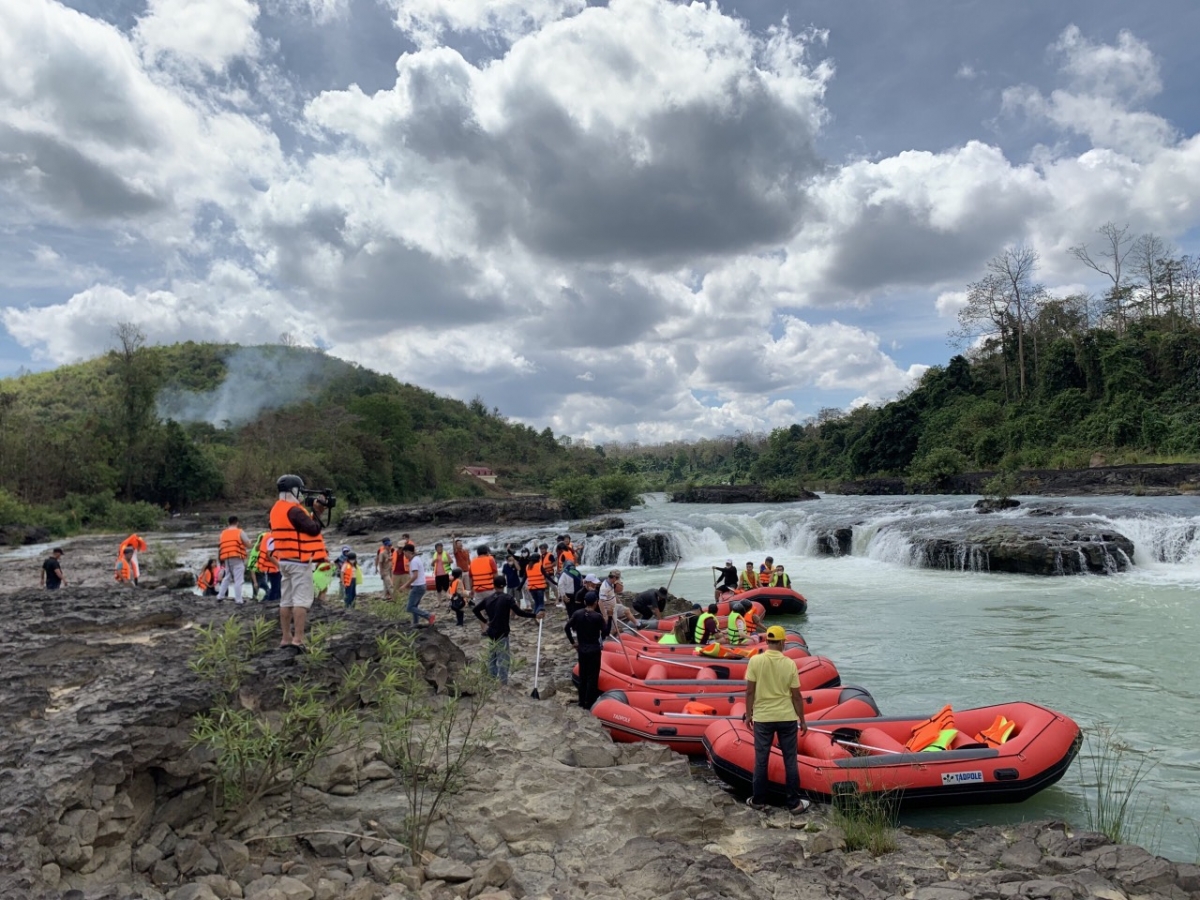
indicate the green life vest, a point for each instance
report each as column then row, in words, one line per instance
column 699, row 635
column 252, row 559
column 942, row 742
column 735, row 636
column 322, row 577
column 748, row 581
column 668, row 638
column 781, row 581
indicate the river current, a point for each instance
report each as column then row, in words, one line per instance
column 1119, row 649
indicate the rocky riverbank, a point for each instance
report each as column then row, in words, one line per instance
column 472, row 511
column 738, row 493
column 103, row 796
column 1157, row 480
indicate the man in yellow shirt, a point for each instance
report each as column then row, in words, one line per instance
column 775, row 711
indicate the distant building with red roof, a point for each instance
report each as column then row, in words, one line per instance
column 483, row 473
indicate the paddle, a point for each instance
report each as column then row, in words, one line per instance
column 849, row 743
column 672, row 578
column 537, row 665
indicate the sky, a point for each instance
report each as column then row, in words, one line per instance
column 634, row 220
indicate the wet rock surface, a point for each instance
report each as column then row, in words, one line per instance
column 102, row 796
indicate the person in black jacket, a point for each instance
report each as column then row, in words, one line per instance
column 586, row 630
column 494, row 611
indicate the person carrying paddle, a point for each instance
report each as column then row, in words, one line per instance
column 775, row 712
column 586, row 630
column 727, row 579
column 494, row 611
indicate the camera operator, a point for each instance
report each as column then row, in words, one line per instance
column 296, row 543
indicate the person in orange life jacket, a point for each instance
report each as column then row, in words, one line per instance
column 462, row 561
column 414, row 581
column 296, row 543
column 765, row 571
column 124, row 572
column 400, row 570
column 483, row 573
column 338, row 564
column 748, row 579
column 535, row 581
column 586, row 630
column 780, row 578
column 232, row 550
column 458, row 599
column 385, row 563
column 207, row 579
column 728, row 577
column 548, row 574
column 441, row 565
column 269, row 567
column 775, row 712
column 349, row 579
column 139, row 546
column 495, row 610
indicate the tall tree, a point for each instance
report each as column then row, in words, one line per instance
column 1015, row 268
column 1149, row 259
column 1110, row 262
column 986, row 314
column 137, row 372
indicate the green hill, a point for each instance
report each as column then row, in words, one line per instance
column 183, row 424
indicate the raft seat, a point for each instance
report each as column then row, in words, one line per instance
column 707, row 674
column 657, row 672
column 822, row 746
column 877, row 737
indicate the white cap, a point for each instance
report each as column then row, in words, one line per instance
column 590, row 579
column 729, row 562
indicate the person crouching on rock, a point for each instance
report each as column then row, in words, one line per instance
column 494, row 611
column 586, row 630
column 125, row 572
column 206, row 581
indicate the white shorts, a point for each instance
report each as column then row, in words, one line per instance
column 295, row 584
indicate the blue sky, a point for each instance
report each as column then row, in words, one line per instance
column 633, row 220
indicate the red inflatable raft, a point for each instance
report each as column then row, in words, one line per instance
column 688, row 652
column 757, row 610
column 680, row 720
column 777, row 601
column 701, row 678
column 997, row 754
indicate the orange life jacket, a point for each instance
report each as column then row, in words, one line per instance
column 997, row 733
column 204, row 580
column 290, row 544
column 231, row 546
column 124, row 570
column 455, row 586
column 138, row 545
column 266, row 562
column 347, row 574
column 764, row 576
column 696, row 708
column 483, row 574
column 567, row 556
column 535, row 576
column 925, row 733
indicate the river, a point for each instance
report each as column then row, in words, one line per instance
column 1119, row 649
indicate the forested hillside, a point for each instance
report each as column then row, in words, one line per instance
column 1046, row 382
column 177, row 425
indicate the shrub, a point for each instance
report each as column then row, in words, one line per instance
column 937, row 465
column 618, row 491
column 578, row 492
column 867, row 819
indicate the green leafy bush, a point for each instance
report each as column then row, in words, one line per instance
column 578, row 492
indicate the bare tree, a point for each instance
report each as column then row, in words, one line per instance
column 1110, row 261
column 987, row 314
column 1014, row 269
column 1149, row 253
column 1189, row 285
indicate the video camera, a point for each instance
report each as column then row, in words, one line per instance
column 325, row 495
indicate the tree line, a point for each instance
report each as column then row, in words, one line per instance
column 1042, row 381
column 89, row 445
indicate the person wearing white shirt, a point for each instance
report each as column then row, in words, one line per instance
column 416, row 585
